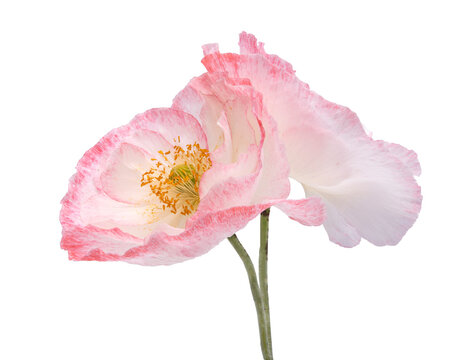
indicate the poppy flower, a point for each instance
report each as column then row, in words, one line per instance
column 163, row 189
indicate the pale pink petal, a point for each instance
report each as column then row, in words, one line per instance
column 106, row 213
column 248, row 163
column 210, row 48
column 407, row 157
column 83, row 185
column 338, row 230
column 224, row 152
column 86, row 243
column 238, row 111
column 151, row 142
column 273, row 179
column 371, row 190
column 79, row 237
column 121, row 180
column 200, row 235
column 217, row 98
column 367, row 186
column 231, row 192
column 205, row 108
column 287, row 99
column 317, row 156
column 310, row 211
column 101, row 209
column 170, row 123
column 168, row 229
column 248, row 44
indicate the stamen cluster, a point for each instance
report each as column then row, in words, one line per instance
column 175, row 178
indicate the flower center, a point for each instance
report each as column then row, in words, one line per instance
column 175, row 181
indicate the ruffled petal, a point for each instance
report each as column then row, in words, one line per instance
column 216, row 99
column 170, row 123
column 310, row 211
column 80, row 237
column 407, row 157
column 374, row 194
column 249, row 45
column 247, row 164
column 232, row 113
column 367, row 186
column 287, row 99
column 91, row 242
column 200, row 235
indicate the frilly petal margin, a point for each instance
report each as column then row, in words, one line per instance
column 368, row 186
column 287, row 99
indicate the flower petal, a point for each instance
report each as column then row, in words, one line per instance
column 372, row 192
column 171, row 123
column 367, row 186
column 287, row 99
column 407, row 157
column 310, row 211
column 338, row 230
column 199, row 237
column 151, row 142
column 92, row 243
column 238, row 111
column 122, row 178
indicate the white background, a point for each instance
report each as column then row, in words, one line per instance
column 71, row 71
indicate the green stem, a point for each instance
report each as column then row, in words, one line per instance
column 263, row 277
column 256, row 293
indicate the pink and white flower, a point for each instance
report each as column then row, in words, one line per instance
column 368, row 186
column 163, row 189
column 173, row 183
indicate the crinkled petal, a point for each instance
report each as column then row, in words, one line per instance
column 200, row 235
column 249, row 45
column 310, row 211
column 367, row 186
column 248, row 163
column 90, row 242
column 216, row 99
column 372, row 191
column 287, row 99
column 170, row 123
column 407, row 157
column 232, row 107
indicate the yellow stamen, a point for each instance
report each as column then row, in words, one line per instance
column 176, row 183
